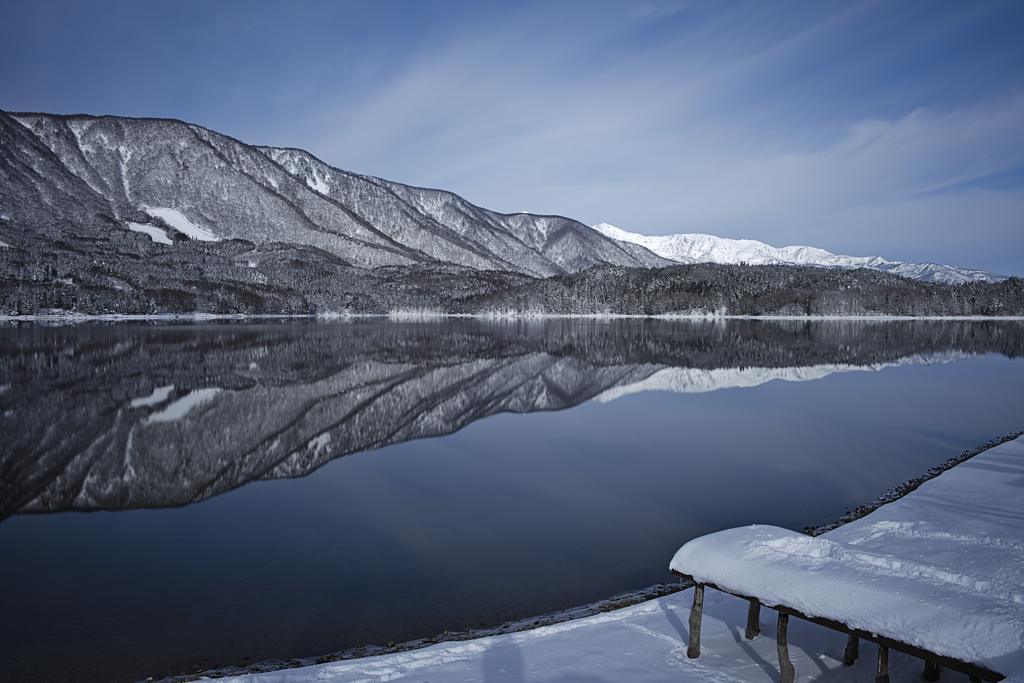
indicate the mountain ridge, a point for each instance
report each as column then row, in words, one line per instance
column 702, row 248
column 139, row 168
column 113, row 215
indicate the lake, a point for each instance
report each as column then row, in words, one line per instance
column 182, row 497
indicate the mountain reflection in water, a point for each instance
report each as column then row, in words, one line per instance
column 504, row 518
column 116, row 418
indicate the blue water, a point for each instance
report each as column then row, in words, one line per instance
column 514, row 515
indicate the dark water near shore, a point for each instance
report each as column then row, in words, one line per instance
column 175, row 498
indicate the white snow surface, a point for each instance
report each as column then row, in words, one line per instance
column 180, row 222
column 182, row 406
column 944, row 611
column 941, row 568
column 158, row 235
column 960, row 532
column 157, row 397
column 700, row 248
column 315, row 182
column 319, row 443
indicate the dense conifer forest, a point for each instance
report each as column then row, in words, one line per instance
column 233, row 277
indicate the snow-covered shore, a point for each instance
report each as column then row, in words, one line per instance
column 69, row 319
column 967, row 519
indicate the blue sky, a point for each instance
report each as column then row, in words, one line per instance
column 889, row 128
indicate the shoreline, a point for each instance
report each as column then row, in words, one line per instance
column 528, row 624
column 78, row 319
column 903, row 489
column 616, row 602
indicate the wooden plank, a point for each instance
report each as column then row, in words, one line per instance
column 781, row 644
column 753, row 619
column 852, row 650
column 882, row 673
column 693, row 651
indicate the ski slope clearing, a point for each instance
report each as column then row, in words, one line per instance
column 158, row 235
column 180, row 222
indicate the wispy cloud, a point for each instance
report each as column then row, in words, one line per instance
column 691, row 131
column 875, row 161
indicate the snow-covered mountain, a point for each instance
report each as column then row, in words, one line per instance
column 110, row 216
column 698, row 248
column 163, row 181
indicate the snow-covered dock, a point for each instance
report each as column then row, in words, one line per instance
column 969, row 623
column 960, row 534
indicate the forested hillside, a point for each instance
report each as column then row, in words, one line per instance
column 234, row 278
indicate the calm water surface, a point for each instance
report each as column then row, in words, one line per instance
column 490, row 472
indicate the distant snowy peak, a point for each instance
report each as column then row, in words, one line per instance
column 698, row 248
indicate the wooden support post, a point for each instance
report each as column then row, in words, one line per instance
column 693, row 651
column 753, row 619
column 852, row 650
column 931, row 671
column 785, row 666
column 882, row 675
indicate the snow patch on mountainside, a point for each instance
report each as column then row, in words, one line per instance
column 158, row 235
column 180, row 222
column 182, row 406
column 319, row 443
column 699, row 248
column 158, row 396
column 319, row 184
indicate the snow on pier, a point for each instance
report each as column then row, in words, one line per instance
column 967, row 619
